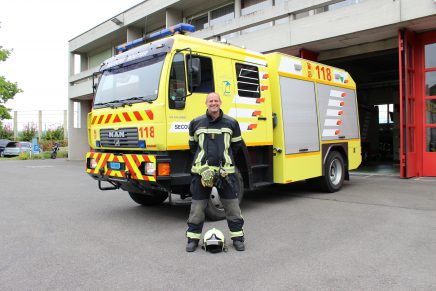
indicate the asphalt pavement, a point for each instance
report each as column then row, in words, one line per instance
column 58, row 231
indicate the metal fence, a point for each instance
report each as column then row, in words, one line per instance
column 42, row 120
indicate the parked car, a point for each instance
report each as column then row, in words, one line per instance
column 3, row 143
column 15, row 148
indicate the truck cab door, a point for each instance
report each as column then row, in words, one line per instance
column 190, row 80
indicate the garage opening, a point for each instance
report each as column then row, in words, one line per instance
column 377, row 78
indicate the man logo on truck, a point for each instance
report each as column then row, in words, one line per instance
column 117, row 134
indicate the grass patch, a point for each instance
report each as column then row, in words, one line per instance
column 40, row 156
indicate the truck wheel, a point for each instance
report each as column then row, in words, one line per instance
column 334, row 170
column 214, row 209
column 149, row 199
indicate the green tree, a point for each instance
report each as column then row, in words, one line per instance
column 54, row 134
column 28, row 132
column 7, row 89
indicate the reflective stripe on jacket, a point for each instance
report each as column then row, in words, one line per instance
column 214, row 142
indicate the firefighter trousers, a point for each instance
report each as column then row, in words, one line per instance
column 229, row 199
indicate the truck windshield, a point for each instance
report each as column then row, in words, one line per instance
column 134, row 83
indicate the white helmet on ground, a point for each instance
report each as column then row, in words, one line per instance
column 214, row 241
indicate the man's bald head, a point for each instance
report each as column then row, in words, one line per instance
column 213, row 103
column 214, row 95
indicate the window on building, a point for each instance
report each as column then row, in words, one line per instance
column 251, row 6
column 279, row 2
column 207, row 83
column 342, row 4
column 321, row 9
column 222, row 14
column 200, row 22
column 247, row 77
column 77, row 64
column 385, row 112
column 77, row 122
column 300, row 15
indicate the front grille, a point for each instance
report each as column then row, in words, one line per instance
column 120, row 138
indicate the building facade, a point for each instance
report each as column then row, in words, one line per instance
column 388, row 46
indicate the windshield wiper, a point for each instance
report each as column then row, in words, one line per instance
column 111, row 103
column 148, row 100
column 124, row 102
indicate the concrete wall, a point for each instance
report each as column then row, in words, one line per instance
column 365, row 27
column 78, row 137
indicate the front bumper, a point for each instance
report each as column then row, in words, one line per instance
column 131, row 166
column 131, row 176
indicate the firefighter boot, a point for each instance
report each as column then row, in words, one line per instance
column 192, row 245
column 239, row 245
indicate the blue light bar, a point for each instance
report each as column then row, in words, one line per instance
column 128, row 45
column 179, row 28
column 142, row 144
column 97, row 143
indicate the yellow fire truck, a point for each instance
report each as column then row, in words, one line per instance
column 298, row 118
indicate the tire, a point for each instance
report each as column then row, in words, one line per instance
column 53, row 155
column 334, row 170
column 149, row 199
column 214, row 209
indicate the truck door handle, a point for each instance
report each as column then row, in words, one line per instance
column 261, row 118
column 303, row 150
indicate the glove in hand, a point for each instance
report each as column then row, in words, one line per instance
column 207, row 178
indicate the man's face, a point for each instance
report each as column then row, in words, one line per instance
column 213, row 103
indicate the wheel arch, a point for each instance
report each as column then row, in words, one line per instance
column 341, row 148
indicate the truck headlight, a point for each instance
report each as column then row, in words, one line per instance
column 92, row 163
column 150, row 169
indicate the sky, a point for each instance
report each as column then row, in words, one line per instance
column 38, row 32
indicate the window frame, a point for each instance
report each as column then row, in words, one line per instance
column 201, row 56
column 257, row 93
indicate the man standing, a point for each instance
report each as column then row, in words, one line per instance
column 214, row 139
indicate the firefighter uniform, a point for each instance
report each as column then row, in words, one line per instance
column 214, row 144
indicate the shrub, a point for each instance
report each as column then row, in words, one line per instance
column 28, row 132
column 47, row 145
column 24, row 156
column 54, row 134
column 6, row 132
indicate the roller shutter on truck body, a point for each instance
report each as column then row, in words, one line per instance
column 337, row 110
column 315, row 107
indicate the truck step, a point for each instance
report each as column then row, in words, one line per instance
column 261, row 184
column 260, row 166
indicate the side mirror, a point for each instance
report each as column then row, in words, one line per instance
column 95, row 80
column 194, row 72
column 177, row 104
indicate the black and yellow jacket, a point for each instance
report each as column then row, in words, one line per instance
column 214, row 142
